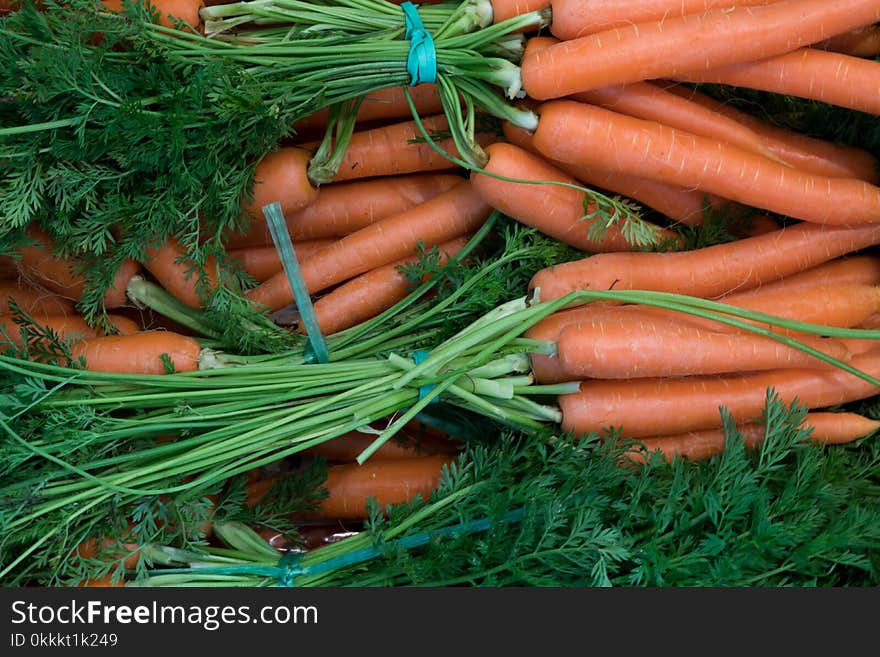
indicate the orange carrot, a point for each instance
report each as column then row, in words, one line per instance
column 555, row 210
column 813, row 73
column 587, row 135
column 397, row 149
column 645, row 100
column 503, row 10
column 801, row 151
column 451, row 214
column 262, row 262
column 37, row 263
column 342, row 208
column 33, row 300
column 138, row 353
column 389, row 103
column 390, row 481
column 576, row 18
column 128, row 553
column 663, row 406
column 825, row 428
column 683, row 44
column 367, row 295
column 863, row 269
column 632, row 347
column 67, row 327
column 282, row 176
column 861, row 42
column 712, row 271
column 169, row 10
column 686, row 206
column 178, row 275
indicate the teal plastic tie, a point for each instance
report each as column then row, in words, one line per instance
column 289, row 568
column 419, row 356
column 421, row 63
column 316, row 350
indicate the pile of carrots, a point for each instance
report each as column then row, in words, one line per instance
column 613, row 89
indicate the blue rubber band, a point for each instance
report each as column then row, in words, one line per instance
column 289, row 568
column 419, row 356
column 421, row 63
column 316, row 350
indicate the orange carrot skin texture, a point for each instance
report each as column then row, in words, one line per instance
column 33, row 300
column 371, row 293
column 695, row 42
column 458, row 211
column 686, row 206
column 505, row 9
column 282, row 176
column 37, row 263
column 178, row 276
column 68, row 326
column 389, row 103
column 663, row 406
column 861, row 42
column 391, row 481
column 826, row 428
column 629, row 348
column 712, row 271
column 801, row 151
column 262, row 262
column 649, row 101
column 342, row 208
column 576, row 18
column 588, row 135
column 138, row 353
column 552, row 209
column 391, row 150
column 825, row 76
column 185, row 10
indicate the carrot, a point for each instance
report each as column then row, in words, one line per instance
column 663, row 406
column 759, row 224
column 860, row 42
column 686, row 206
column 576, row 18
column 503, row 10
column 138, row 353
column 451, row 214
column 262, row 262
column 405, row 445
column 128, row 553
column 825, row 428
column 367, row 295
column 587, row 135
column 37, row 263
column 632, row 347
column 169, row 265
column 282, row 176
column 33, row 300
column 813, row 73
column 389, row 103
column 67, row 327
column 801, row 151
column 712, row 271
column 646, row 100
column 668, row 47
column 342, row 208
column 554, row 210
column 862, row 269
column 169, row 10
column 391, row 481
column 397, row 149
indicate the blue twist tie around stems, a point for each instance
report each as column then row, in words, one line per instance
column 316, row 350
column 421, row 63
column 419, row 356
column 289, row 568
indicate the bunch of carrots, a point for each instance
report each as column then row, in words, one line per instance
column 615, row 92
